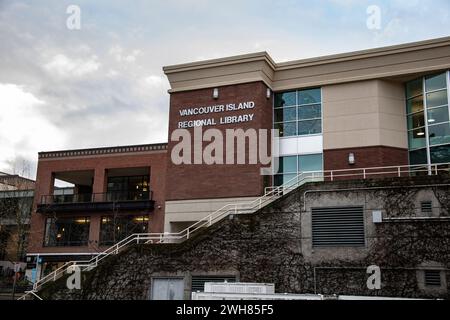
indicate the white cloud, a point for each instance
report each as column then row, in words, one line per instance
column 23, row 128
column 67, row 67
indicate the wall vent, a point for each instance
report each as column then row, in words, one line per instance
column 338, row 227
column 426, row 207
column 432, row 278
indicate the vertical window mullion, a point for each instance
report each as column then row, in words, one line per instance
column 425, row 114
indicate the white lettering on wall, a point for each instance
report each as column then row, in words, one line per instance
column 204, row 110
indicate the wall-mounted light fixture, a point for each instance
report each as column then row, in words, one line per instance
column 268, row 93
column 216, row 93
column 351, row 158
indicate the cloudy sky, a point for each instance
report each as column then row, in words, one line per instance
column 103, row 85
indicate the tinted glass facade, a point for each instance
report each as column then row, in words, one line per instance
column 428, row 122
column 66, row 232
column 114, row 229
column 298, row 113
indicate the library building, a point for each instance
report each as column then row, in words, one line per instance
column 343, row 116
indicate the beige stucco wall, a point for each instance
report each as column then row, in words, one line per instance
column 364, row 113
column 179, row 214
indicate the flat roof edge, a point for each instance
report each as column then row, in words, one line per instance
column 263, row 55
column 103, row 150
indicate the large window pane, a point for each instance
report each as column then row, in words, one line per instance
column 416, row 138
column 416, row 120
column 285, row 114
column 414, row 88
column 418, row 157
column 128, row 188
column 288, row 164
column 66, row 232
column 437, row 98
column 440, row 154
column 439, row 134
column 287, row 128
column 116, row 228
column 414, row 105
column 309, row 127
column 435, row 82
column 310, row 162
column 309, row 112
column 285, row 99
column 437, row 115
column 309, row 96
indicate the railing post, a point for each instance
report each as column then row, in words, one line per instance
column 137, row 240
column 210, row 221
column 436, row 169
column 160, row 237
column 235, row 209
column 331, row 175
column 260, row 202
column 364, row 173
column 54, row 275
column 399, row 172
column 187, row 233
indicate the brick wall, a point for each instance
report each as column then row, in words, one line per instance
column 156, row 161
column 376, row 156
column 217, row 181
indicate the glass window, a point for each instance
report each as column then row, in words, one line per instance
column 116, row 228
column 310, row 162
column 414, row 105
column 416, row 138
column 309, row 96
column 309, row 127
column 281, row 179
column 435, row 82
column 437, row 124
column 309, row 112
column 285, row 114
column 128, row 188
column 418, row 156
column 66, row 232
column 285, row 99
column 414, row 88
column 287, row 128
column 439, row 134
column 416, row 120
column 288, row 164
column 437, row 115
column 435, row 99
column 440, row 154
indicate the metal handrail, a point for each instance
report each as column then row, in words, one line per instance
column 270, row 194
column 96, row 197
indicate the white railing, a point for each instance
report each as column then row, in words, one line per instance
column 270, row 194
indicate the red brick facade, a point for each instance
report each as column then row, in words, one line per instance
column 155, row 160
column 374, row 156
column 200, row 181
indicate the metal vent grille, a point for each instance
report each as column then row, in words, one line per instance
column 426, row 206
column 433, row 278
column 198, row 282
column 338, row 226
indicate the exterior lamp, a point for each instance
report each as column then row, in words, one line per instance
column 216, row 93
column 268, row 93
column 351, row 158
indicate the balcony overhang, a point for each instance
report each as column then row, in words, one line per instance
column 135, row 205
